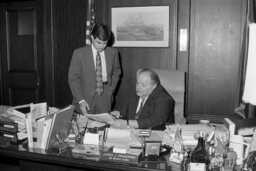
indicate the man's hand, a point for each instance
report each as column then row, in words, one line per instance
column 84, row 107
column 119, row 123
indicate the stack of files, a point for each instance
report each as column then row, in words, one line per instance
column 14, row 121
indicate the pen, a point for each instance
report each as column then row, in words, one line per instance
column 115, row 117
column 85, row 127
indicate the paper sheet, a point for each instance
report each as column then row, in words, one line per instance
column 103, row 117
column 120, row 138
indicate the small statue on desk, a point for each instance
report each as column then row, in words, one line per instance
column 177, row 152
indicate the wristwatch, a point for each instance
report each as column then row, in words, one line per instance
column 128, row 126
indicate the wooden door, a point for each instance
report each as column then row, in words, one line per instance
column 215, row 56
column 21, row 54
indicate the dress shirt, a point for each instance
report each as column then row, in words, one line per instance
column 139, row 103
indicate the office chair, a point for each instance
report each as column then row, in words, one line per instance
column 174, row 82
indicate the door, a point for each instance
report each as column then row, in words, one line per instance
column 21, row 54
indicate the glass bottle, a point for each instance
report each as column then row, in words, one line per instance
column 199, row 154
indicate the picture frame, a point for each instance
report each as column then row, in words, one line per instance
column 140, row 26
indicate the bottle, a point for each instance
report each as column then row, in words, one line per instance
column 199, row 154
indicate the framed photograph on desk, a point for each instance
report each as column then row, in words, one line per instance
column 140, row 26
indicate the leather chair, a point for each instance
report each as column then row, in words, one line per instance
column 174, row 82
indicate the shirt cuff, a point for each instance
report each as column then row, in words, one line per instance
column 81, row 101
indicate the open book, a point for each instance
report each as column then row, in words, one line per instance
column 102, row 117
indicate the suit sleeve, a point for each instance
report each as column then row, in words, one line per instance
column 74, row 77
column 116, row 71
column 163, row 110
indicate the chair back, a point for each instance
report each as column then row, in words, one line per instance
column 174, row 82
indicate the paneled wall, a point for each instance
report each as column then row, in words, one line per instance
column 64, row 26
column 212, row 61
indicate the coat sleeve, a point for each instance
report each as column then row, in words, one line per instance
column 74, row 77
column 116, row 71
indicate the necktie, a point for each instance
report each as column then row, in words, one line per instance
column 139, row 111
column 99, row 81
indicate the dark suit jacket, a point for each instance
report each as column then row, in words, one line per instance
column 82, row 76
column 157, row 110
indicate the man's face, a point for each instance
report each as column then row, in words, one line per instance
column 144, row 85
column 98, row 44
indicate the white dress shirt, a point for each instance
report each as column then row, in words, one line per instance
column 139, row 104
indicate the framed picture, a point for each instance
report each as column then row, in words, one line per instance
column 140, row 26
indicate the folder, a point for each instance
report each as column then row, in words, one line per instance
column 60, row 126
column 56, row 126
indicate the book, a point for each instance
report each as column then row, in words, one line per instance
column 29, row 130
column 39, row 130
column 46, row 130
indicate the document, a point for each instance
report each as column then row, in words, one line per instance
column 118, row 138
column 103, row 117
column 121, row 138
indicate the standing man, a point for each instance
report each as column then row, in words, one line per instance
column 151, row 107
column 94, row 72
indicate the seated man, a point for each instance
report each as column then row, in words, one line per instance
column 150, row 108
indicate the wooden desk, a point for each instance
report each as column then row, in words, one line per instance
column 21, row 159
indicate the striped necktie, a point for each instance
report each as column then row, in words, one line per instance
column 99, row 81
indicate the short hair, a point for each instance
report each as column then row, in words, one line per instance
column 101, row 31
column 153, row 75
